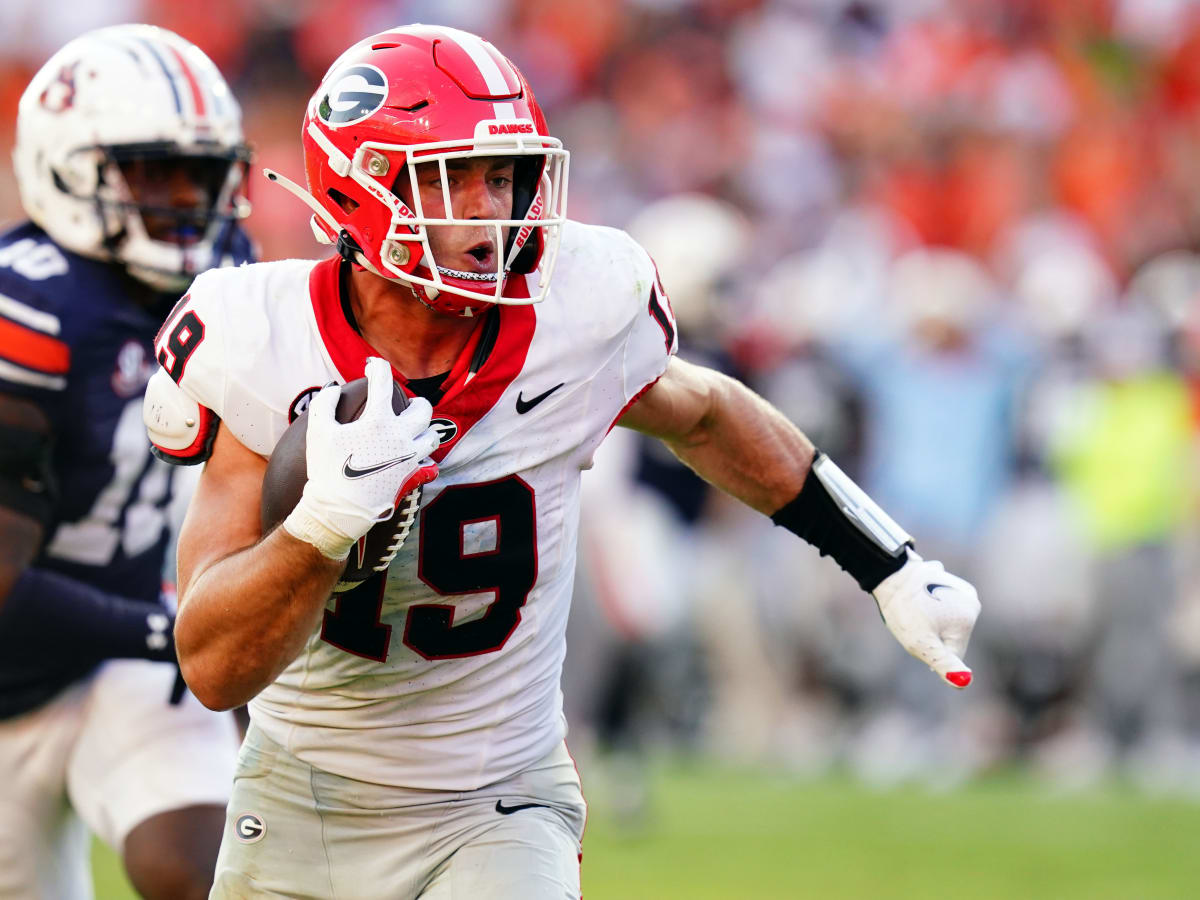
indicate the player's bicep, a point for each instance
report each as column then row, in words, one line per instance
column 676, row 406
column 223, row 516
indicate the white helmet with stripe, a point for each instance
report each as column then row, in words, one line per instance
column 106, row 126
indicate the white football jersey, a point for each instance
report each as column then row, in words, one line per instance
column 443, row 672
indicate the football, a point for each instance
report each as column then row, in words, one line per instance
column 287, row 472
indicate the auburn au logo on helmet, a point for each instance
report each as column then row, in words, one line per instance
column 59, row 95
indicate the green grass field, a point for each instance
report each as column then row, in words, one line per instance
column 720, row 833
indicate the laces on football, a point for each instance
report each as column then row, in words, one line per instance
column 410, row 504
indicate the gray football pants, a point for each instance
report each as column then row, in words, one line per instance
column 295, row 831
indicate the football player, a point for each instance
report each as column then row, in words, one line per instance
column 130, row 163
column 406, row 733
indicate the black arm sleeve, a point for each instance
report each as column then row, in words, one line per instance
column 50, row 615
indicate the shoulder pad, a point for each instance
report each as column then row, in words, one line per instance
column 181, row 430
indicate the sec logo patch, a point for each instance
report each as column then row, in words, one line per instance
column 249, row 828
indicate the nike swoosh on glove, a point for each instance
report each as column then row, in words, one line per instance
column 931, row 613
column 358, row 471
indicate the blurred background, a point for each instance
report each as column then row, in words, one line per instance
column 956, row 242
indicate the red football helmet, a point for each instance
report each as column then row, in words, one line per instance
column 428, row 94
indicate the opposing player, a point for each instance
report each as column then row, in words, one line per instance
column 407, row 733
column 129, row 159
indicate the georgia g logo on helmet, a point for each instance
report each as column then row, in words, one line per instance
column 353, row 94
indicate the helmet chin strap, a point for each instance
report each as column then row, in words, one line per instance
column 467, row 276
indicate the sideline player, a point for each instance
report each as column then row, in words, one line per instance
column 407, row 732
column 129, row 159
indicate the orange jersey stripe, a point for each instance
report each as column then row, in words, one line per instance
column 32, row 349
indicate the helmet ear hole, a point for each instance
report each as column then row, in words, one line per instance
column 348, row 204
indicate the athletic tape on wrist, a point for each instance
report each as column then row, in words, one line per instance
column 304, row 526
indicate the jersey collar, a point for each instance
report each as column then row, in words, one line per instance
column 467, row 396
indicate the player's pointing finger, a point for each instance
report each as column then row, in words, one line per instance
column 379, row 387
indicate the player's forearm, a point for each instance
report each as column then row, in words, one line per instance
column 745, row 446
column 247, row 616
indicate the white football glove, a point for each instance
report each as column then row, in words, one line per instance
column 931, row 613
column 358, row 471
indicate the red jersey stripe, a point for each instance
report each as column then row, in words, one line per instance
column 33, row 349
column 465, row 402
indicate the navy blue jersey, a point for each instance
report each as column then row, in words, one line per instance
column 74, row 341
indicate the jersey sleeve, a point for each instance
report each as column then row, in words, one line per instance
column 652, row 337
column 215, row 346
column 35, row 356
column 184, row 398
column 191, row 344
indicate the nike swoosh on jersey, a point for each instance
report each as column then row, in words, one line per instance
column 509, row 810
column 350, row 472
column 524, row 406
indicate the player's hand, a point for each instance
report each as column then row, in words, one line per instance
column 358, row 471
column 931, row 613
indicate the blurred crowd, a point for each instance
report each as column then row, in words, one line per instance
column 956, row 242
